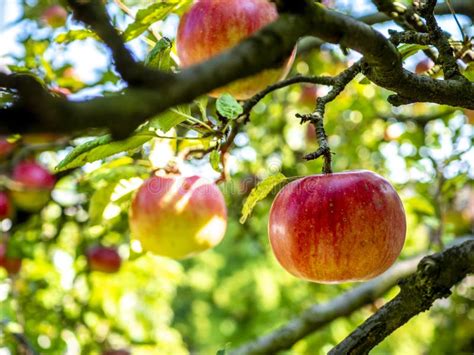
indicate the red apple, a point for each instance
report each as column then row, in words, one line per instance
column 103, row 259
column 54, row 16
column 178, row 216
column 11, row 264
column 211, row 27
column 338, row 227
column 6, row 208
column 423, row 66
column 34, row 186
column 6, row 147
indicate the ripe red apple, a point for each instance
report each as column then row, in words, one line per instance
column 103, row 259
column 6, row 208
column 423, row 66
column 11, row 264
column 338, row 227
column 212, row 26
column 178, row 216
column 35, row 185
column 54, row 16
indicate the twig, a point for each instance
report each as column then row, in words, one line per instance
column 317, row 117
column 440, row 39
column 435, row 276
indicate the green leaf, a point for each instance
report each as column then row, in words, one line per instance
column 469, row 71
column 228, row 107
column 221, row 352
column 146, row 17
column 100, row 148
column 75, row 35
column 159, row 57
column 99, row 201
column 259, row 193
column 407, row 50
column 170, row 118
column 215, row 159
column 364, row 81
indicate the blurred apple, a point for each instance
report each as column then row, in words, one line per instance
column 309, row 94
column 103, row 259
column 35, row 185
column 11, row 264
column 116, row 352
column 54, row 16
column 6, row 208
column 423, row 66
column 211, row 27
column 6, row 147
column 178, row 216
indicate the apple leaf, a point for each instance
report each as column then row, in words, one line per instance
column 148, row 16
column 214, row 159
column 100, row 148
column 99, row 201
column 469, row 71
column 228, row 107
column 259, row 192
column 170, row 118
column 407, row 50
column 159, row 57
column 75, row 35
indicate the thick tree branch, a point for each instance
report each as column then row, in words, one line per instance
column 461, row 7
column 123, row 112
column 435, row 276
column 93, row 13
column 318, row 316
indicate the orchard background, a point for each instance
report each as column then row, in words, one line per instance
column 59, row 62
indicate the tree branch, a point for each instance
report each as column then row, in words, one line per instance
column 383, row 66
column 462, row 7
column 435, row 276
column 318, row 316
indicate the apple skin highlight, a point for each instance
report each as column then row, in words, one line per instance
column 177, row 217
column 338, row 227
column 211, row 27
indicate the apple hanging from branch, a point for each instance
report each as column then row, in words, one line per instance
column 212, row 26
column 10, row 263
column 103, row 259
column 34, row 183
column 177, row 217
column 337, row 227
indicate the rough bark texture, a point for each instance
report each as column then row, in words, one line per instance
column 152, row 92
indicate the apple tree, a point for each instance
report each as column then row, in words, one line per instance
column 236, row 177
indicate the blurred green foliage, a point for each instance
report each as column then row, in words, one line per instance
column 236, row 292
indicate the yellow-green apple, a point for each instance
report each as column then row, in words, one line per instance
column 212, row 26
column 339, row 227
column 33, row 185
column 10, row 263
column 6, row 208
column 104, row 259
column 54, row 16
column 178, row 216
